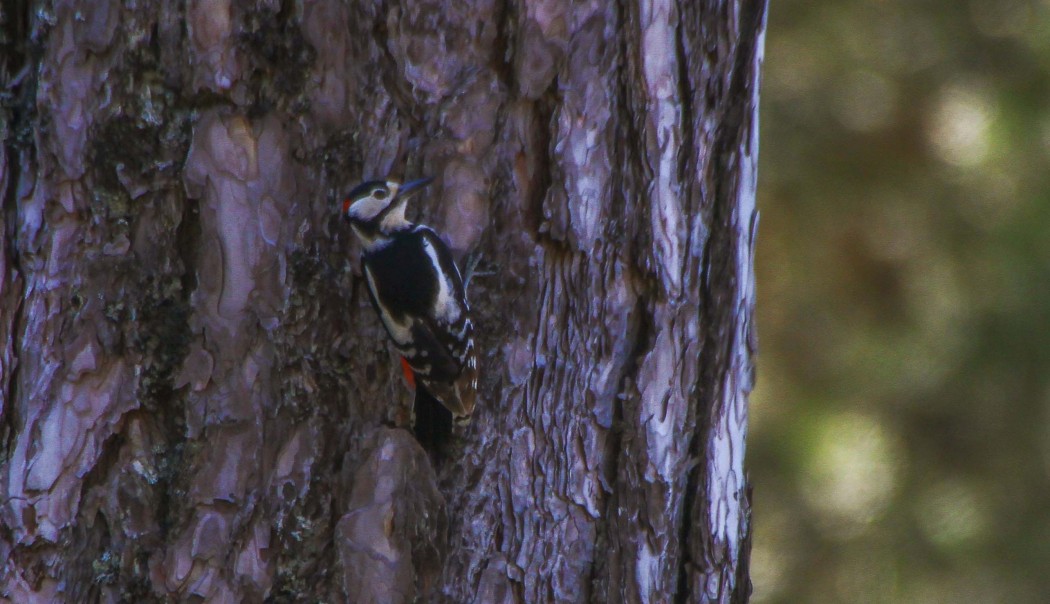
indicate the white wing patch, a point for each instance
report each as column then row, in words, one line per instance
column 400, row 332
column 446, row 305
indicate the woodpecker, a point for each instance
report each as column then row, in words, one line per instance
column 418, row 293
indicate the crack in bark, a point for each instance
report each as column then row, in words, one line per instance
column 688, row 154
column 688, row 163
column 642, row 341
column 543, row 117
column 503, row 45
column 686, row 89
column 7, row 410
column 17, row 98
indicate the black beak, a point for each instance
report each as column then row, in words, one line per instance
column 414, row 185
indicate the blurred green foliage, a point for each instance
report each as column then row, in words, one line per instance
column 900, row 429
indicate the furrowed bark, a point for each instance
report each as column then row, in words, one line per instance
column 198, row 400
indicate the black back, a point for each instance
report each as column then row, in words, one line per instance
column 403, row 274
column 406, row 286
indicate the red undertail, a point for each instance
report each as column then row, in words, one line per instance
column 410, row 376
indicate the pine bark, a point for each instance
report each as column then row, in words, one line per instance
column 198, row 400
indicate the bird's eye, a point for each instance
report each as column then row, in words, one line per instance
column 380, row 194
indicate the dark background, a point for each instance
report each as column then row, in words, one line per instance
column 899, row 438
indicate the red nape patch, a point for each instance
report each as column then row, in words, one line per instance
column 410, row 376
column 346, row 205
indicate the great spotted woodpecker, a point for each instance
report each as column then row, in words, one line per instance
column 418, row 292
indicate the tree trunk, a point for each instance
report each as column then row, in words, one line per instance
column 198, row 400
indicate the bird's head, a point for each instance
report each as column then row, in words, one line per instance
column 376, row 208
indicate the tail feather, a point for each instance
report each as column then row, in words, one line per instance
column 433, row 422
column 442, row 409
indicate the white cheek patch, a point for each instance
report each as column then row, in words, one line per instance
column 400, row 332
column 446, row 305
column 365, row 209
